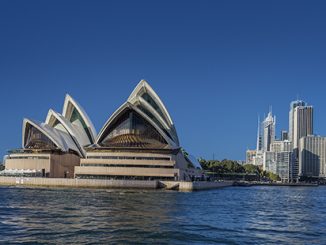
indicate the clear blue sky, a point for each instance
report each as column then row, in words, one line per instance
column 215, row 64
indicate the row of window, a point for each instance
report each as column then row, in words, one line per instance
column 37, row 174
column 114, row 177
column 129, row 158
column 29, row 157
column 123, row 165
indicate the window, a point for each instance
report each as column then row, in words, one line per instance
column 132, row 130
column 75, row 116
column 151, row 116
column 150, row 101
column 35, row 139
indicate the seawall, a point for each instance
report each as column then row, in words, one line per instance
column 194, row 186
column 102, row 183
column 78, row 183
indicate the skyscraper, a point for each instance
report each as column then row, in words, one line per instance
column 293, row 105
column 283, row 162
column 302, row 123
column 269, row 163
column 312, row 157
column 284, row 135
column 268, row 130
column 281, row 145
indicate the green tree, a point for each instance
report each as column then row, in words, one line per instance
column 251, row 169
column 224, row 166
column 270, row 175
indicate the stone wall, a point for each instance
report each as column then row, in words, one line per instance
column 63, row 165
column 94, row 183
column 101, row 183
column 194, row 186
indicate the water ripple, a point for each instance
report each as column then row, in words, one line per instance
column 237, row 215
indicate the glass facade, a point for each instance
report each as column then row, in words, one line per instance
column 150, row 101
column 35, row 139
column 151, row 116
column 75, row 116
column 132, row 130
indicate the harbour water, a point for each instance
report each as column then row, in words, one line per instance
column 233, row 215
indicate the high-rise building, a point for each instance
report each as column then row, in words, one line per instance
column 259, row 158
column 269, row 163
column 282, row 156
column 278, row 163
column 293, row 105
column 280, row 159
column 268, row 130
column 302, row 123
column 277, row 146
column 284, row 135
column 286, row 146
column 281, row 145
column 312, row 157
column 294, row 167
column 283, row 163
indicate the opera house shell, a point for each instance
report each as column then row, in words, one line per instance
column 138, row 141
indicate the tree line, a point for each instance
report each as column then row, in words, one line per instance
column 226, row 166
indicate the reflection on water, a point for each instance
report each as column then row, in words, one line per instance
column 234, row 215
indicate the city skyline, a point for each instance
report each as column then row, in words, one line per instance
column 210, row 61
column 269, row 122
column 281, row 155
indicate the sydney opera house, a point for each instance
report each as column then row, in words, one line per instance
column 138, row 141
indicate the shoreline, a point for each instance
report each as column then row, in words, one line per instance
column 183, row 186
column 248, row 184
column 113, row 184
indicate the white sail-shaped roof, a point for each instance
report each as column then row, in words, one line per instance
column 74, row 113
column 119, row 112
column 57, row 121
column 41, row 135
column 143, row 88
column 142, row 121
column 144, row 97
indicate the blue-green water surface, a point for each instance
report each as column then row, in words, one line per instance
column 234, row 215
